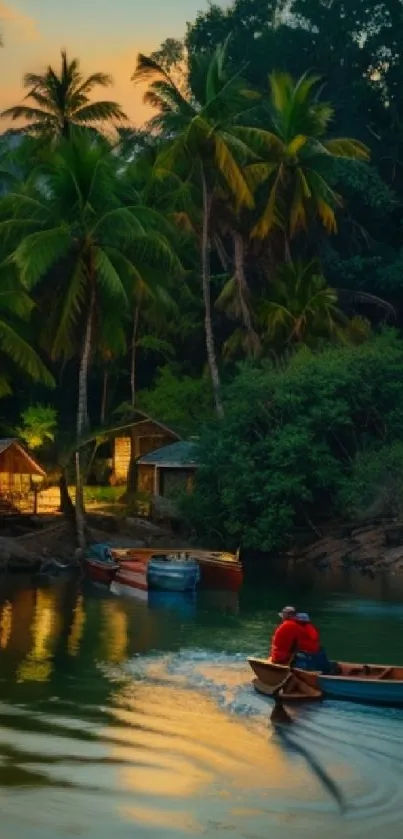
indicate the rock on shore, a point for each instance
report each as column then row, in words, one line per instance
column 372, row 548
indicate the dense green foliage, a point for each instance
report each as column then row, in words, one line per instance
column 239, row 256
column 292, row 439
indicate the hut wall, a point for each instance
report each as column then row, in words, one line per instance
column 173, row 482
column 149, row 437
column 145, row 479
column 15, row 471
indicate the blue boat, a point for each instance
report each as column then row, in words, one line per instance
column 171, row 572
column 372, row 684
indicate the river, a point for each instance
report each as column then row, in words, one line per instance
column 122, row 719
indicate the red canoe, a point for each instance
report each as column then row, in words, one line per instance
column 100, row 571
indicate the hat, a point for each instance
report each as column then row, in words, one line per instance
column 288, row 612
column 303, row 617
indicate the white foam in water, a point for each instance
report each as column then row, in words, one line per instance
column 224, row 677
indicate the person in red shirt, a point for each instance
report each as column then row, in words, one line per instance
column 309, row 654
column 284, row 643
column 297, row 641
column 309, row 638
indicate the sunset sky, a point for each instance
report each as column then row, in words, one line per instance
column 105, row 34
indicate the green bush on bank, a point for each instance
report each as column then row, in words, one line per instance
column 293, row 442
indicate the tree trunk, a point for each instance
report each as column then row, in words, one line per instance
column 104, row 402
column 66, row 504
column 133, row 358
column 82, row 419
column 210, row 346
column 131, row 487
column 243, row 291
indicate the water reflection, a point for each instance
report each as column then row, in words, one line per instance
column 37, row 665
column 182, row 603
column 124, row 718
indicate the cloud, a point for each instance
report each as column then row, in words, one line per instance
column 24, row 26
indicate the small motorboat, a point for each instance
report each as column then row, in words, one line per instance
column 372, row 684
column 172, row 572
column 99, row 564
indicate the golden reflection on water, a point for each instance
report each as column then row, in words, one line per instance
column 37, row 666
column 175, row 745
column 77, row 628
column 6, row 623
column 114, row 635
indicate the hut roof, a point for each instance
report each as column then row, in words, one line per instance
column 177, row 455
column 9, row 442
column 142, row 419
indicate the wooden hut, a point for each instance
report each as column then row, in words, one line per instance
column 149, row 435
column 20, row 476
column 168, row 471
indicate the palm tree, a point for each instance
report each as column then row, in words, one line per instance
column 202, row 150
column 302, row 308
column 297, row 155
column 16, row 353
column 63, row 99
column 86, row 253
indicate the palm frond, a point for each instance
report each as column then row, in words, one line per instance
column 108, row 278
column 70, row 311
column 22, row 354
column 232, row 173
column 100, row 112
column 38, row 252
column 345, row 147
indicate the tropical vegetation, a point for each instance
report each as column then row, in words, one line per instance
column 232, row 268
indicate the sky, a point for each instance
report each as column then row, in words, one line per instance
column 105, row 35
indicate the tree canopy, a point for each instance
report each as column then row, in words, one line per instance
column 233, row 266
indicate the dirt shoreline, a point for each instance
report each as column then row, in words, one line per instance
column 53, row 539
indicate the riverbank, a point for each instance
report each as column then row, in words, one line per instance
column 28, row 543
column 372, row 548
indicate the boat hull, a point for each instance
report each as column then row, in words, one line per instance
column 366, row 684
column 101, row 572
column 171, row 575
column 132, row 577
column 365, row 691
column 170, row 582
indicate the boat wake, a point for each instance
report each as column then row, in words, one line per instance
column 225, row 678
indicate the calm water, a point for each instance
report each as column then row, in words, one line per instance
column 122, row 719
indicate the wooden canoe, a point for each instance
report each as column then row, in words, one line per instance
column 373, row 684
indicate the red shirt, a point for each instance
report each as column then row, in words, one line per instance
column 308, row 639
column 285, row 641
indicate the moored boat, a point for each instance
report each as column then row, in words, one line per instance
column 365, row 683
column 218, row 570
column 131, row 578
column 169, row 572
column 99, row 564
